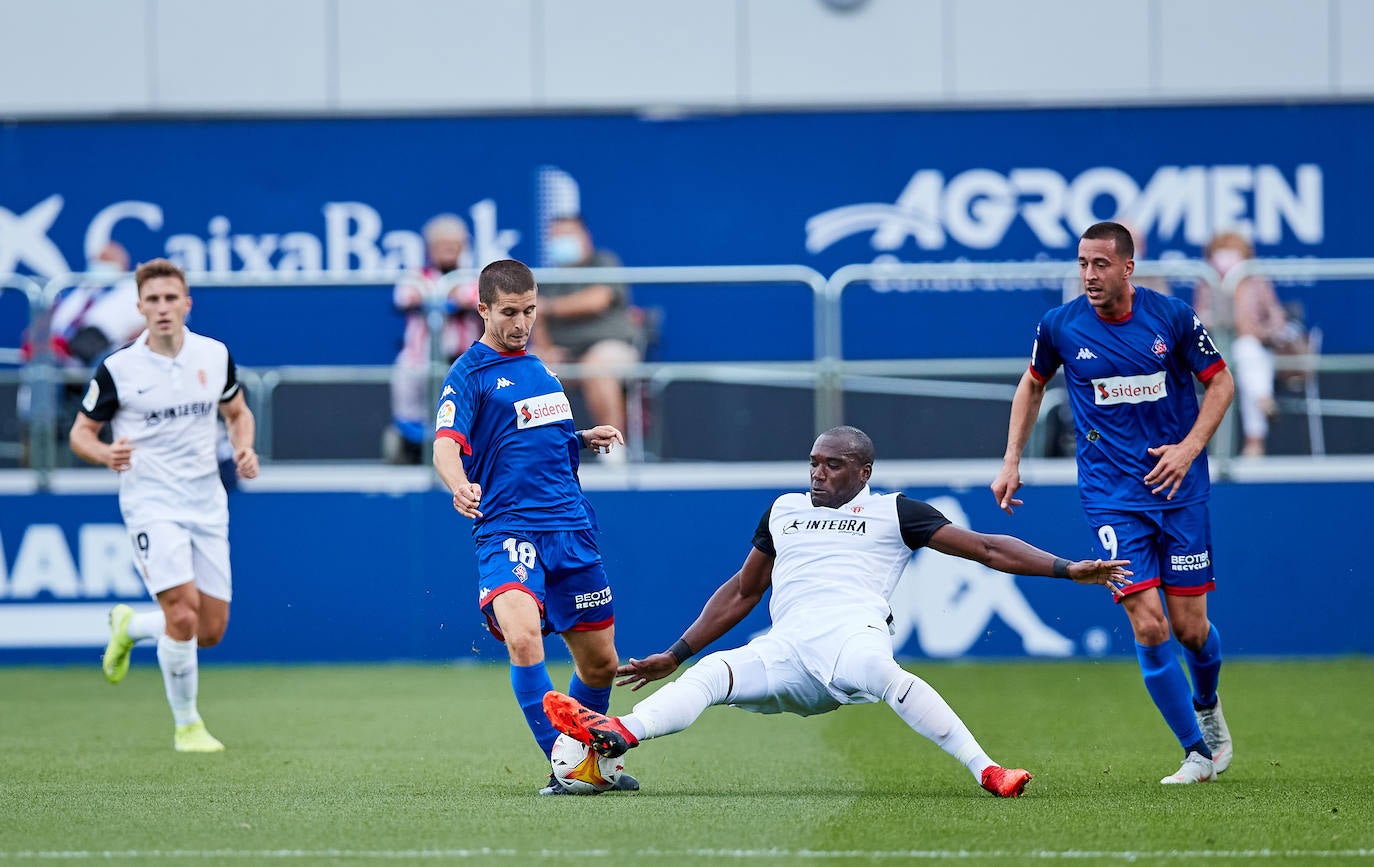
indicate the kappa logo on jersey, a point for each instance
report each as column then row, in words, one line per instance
column 502, row 382
column 1085, row 354
column 856, row 509
column 1159, row 347
column 448, row 389
column 1146, row 388
column 1204, row 341
column 446, row 413
column 541, row 410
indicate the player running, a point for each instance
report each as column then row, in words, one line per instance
column 1129, row 356
column 832, row 557
column 160, row 395
column 506, row 447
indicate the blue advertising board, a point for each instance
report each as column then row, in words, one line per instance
column 366, row 577
column 822, row 189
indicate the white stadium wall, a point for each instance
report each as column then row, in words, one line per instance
column 93, row 59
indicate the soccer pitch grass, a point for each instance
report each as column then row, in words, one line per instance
column 433, row 764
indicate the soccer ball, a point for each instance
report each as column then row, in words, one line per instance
column 581, row 769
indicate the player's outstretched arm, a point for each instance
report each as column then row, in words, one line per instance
column 1025, row 408
column 730, row 604
column 1010, row 554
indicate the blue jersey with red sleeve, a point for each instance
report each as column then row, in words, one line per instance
column 1130, row 385
column 514, row 424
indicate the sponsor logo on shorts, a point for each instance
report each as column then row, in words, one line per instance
column 593, row 599
column 1147, row 388
column 541, row 410
column 1190, row 562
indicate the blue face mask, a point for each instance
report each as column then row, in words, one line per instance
column 564, row 250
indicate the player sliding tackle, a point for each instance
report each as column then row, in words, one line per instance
column 832, row 557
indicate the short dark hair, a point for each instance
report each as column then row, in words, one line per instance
column 856, row 443
column 504, row 277
column 1115, row 232
column 159, row 268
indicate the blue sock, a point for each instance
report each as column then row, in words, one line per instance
column 530, row 682
column 1167, row 685
column 1204, row 664
column 598, row 700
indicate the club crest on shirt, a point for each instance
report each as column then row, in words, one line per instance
column 204, row 380
column 1160, row 348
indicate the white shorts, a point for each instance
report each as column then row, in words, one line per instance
column 773, row 675
column 169, row 554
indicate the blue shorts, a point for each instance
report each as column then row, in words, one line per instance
column 1169, row 548
column 561, row 569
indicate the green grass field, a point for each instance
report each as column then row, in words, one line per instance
column 433, row 764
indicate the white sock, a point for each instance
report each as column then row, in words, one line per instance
column 180, row 675
column 149, row 624
column 678, row 704
column 922, row 708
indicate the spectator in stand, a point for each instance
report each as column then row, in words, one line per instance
column 87, row 322
column 1262, row 328
column 446, row 251
column 588, row 323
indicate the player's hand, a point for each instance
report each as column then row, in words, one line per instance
column 467, row 498
column 1005, row 486
column 642, row 671
column 121, row 455
column 1174, row 463
column 246, row 463
column 1111, row 574
column 603, row 437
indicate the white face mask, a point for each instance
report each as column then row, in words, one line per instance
column 564, row 250
column 1225, row 259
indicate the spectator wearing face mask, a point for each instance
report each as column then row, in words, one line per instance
column 412, row 410
column 588, row 323
column 1262, row 328
column 87, row 322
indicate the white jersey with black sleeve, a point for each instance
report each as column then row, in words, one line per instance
column 835, row 568
column 167, row 408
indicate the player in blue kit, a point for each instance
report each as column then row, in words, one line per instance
column 1129, row 356
column 506, row 447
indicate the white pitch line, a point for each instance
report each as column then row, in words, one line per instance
column 764, row 854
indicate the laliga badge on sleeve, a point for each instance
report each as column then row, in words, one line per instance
column 445, row 417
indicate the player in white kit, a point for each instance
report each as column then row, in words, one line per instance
column 160, row 395
column 832, row 557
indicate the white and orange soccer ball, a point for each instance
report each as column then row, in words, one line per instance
column 581, row 769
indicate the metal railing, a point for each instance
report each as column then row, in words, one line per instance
column 828, row 374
